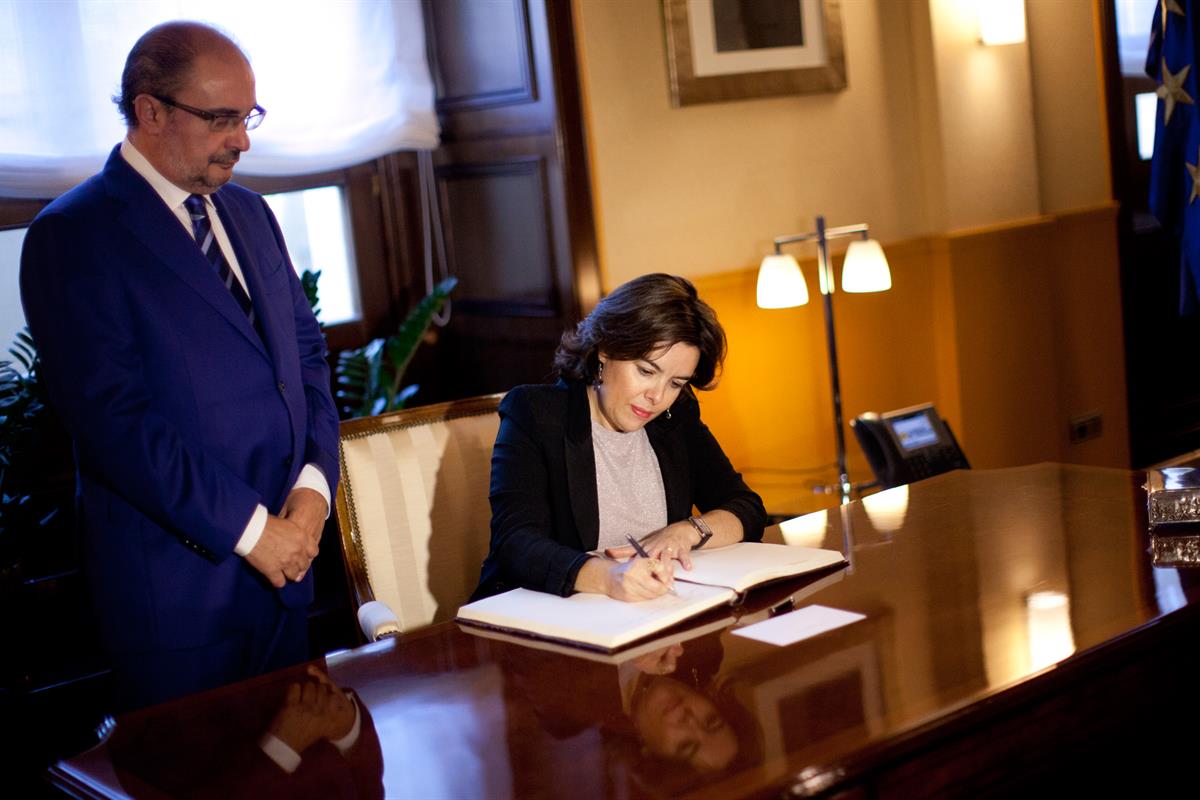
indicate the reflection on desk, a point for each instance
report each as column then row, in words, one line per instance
column 1017, row 637
column 215, row 747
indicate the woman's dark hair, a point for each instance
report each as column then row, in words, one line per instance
column 638, row 318
column 159, row 63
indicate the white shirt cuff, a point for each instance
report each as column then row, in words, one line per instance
column 351, row 738
column 289, row 760
column 252, row 532
column 279, row 752
column 311, row 477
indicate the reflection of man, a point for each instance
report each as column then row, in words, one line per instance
column 319, row 742
column 315, row 737
column 180, row 351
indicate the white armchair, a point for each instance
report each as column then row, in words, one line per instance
column 413, row 511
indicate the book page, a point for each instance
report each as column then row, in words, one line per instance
column 745, row 564
column 592, row 619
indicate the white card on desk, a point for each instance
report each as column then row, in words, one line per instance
column 796, row 626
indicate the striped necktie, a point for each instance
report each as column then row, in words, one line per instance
column 202, row 228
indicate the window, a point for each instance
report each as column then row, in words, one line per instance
column 1145, row 106
column 335, row 222
column 315, row 225
column 1134, row 18
column 343, row 82
column 12, row 317
column 319, row 155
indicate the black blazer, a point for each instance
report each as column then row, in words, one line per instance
column 545, row 514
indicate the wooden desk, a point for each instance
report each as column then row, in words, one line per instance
column 1016, row 637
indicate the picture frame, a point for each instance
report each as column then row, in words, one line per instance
column 715, row 55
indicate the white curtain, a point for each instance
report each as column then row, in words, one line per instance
column 343, row 81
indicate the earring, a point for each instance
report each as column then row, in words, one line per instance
column 600, row 374
column 668, row 413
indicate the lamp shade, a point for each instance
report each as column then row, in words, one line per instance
column 780, row 283
column 865, row 269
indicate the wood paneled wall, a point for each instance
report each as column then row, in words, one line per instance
column 512, row 189
column 1011, row 331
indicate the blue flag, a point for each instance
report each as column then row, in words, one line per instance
column 1175, row 170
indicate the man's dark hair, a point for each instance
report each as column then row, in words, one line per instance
column 160, row 61
column 638, row 318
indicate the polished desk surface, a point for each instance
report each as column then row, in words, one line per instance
column 975, row 586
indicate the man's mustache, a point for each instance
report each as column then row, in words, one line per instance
column 226, row 159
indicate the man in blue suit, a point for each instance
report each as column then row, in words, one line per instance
column 179, row 349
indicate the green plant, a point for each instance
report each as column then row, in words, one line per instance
column 308, row 282
column 370, row 378
column 25, row 506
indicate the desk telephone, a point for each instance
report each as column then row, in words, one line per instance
column 907, row 445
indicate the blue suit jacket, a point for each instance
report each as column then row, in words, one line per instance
column 183, row 418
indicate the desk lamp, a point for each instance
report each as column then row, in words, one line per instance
column 781, row 285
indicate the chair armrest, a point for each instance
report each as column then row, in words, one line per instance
column 377, row 621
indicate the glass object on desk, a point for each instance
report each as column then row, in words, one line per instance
column 1173, row 511
column 1173, row 500
column 1175, row 551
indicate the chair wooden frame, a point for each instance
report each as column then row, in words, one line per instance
column 357, row 573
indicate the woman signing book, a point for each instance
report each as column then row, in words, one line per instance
column 616, row 449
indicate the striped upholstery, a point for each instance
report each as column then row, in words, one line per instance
column 413, row 506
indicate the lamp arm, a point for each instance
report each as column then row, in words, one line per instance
column 847, row 230
column 793, row 238
column 822, row 235
column 861, row 230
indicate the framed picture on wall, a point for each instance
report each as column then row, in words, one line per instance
column 720, row 50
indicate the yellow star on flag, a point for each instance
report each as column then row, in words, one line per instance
column 1171, row 89
column 1194, row 171
column 1173, row 7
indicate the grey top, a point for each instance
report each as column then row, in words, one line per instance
column 629, row 485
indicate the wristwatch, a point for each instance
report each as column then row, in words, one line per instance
column 705, row 531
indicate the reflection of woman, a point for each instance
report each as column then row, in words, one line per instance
column 686, row 718
column 679, row 723
column 668, row 720
column 617, row 448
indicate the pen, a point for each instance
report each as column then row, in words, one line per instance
column 641, row 551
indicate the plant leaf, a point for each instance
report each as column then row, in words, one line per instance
column 309, row 283
column 412, row 330
column 369, row 378
column 406, row 394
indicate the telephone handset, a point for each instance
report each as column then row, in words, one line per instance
column 908, row 444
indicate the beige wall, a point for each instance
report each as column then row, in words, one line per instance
column 933, row 133
column 954, row 153
column 984, row 111
column 1068, row 98
column 705, row 188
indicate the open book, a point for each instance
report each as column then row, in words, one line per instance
column 738, row 618
column 719, row 577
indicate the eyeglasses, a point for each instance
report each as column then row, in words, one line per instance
column 219, row 123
